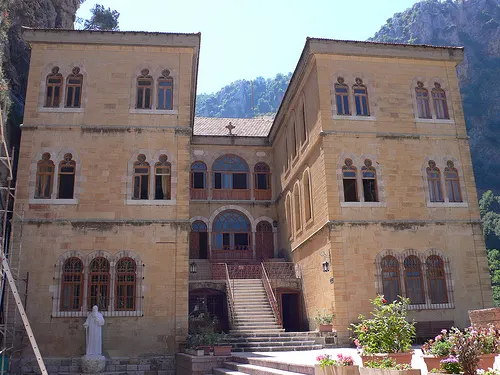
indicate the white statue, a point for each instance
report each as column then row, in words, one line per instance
column 93, row 332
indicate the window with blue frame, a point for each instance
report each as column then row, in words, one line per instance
column 369, row 175
column 230, row 172
column 361, row 98
column 231, row 231
column 342, row 97
column 165, row 91
column 349, row 180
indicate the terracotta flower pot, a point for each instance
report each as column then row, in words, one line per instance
column 433, row 362
column 336, row 370
column 486, row 361
column 222, row 350
column 378, row 371
column 325, row 327
column 400, row 358
column 206, row 349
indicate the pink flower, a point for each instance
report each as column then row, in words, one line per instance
column 438, row 338
column 444, row 332
column 356, row 342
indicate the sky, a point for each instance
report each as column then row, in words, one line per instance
column 248, row 39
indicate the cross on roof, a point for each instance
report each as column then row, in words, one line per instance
column 230, row 127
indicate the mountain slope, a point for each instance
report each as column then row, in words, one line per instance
column 474, row 24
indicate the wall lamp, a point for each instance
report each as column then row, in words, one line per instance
column 193, row 267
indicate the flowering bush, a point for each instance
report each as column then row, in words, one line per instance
column 388, row 331
column 386, row 363
column 440, row 346
column 326, row 360
column 467, row 348
column 488, row 339
column 450, row 365
column 490, row 371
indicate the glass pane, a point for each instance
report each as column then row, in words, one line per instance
column 147, row 98
column 370, row 190
column 77, row 97
column 350, row 194
column 365, row 106
column 241, row 241
column 169, row 101
column 239, row 181
column 358, row 105
column 139, row 98
column 69, row 97
column 226, row 241
column 161, row 99
column 217, row 180
column 66, row 186
column 346, row 105
column 340, row 109
column 144, row 187
column 198, row 180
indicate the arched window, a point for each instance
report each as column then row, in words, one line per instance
column 165, row 91
column 302, row 119
column 307, row 196
column 423, row 107
column 436, row 279
column 198, row 180
column 413, row 280
column 287, row 156
column 262, row 176
column 125, row 284
column 67, row 169
column 361, row 98
column 390, row 278
column 54, row 86
column 439, row 101
column 231, row 231
column 230, row 178
column 452, row 182
column 289, row 216
column 198, row 241
column 342, row 97
column 434, row 182
column 44, row 177
column 74, row 84
column 99, row 279
column 163, row 181
column 296, row 206
column 295, row 141
column 141, row 178
column 264, row 239
column 72, row 285
column 349, row 179
column 144, row 90
column 369, row 175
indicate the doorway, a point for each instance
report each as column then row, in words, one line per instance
column 290, row 312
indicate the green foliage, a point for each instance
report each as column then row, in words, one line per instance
column 324, row 317
column 466, row 348
column 386, row 363
column 441, row 346
column 244, row 98
column 102, row 19
column 388, row 331
column 489, row 206
column 450, row 365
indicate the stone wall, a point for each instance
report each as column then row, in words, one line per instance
column 194, row 365
column 485, row 316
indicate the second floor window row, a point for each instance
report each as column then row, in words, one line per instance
column 359, row 96
column 164, row 91
column 54, row 89
column 438, row 99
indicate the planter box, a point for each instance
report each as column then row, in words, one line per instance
column 325, row 327
column 401, row 358
column 222, row 350
column 486, row 361
column 205, row 348
column 377, row 371
column 431, row 361
column 336, row 370
column 195, row 352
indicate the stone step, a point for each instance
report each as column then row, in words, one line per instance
column 253, row 369
column 272, row 363
column 272, row 348
column 262, row 319
column 256, row 331
column 276, row 334
column 267, row 339
column 259, row 344
column 257, row 323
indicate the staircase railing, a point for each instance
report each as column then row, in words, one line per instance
column 230, row 296
column 270, row 295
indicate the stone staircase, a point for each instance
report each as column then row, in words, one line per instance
column 254, row 325
column 257, row 366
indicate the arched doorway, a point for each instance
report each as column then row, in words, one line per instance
column 264, row 241
column 198, row 241
column 231, row 236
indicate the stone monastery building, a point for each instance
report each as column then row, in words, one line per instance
column 361, row 185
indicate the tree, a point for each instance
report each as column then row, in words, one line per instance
column 102, row 19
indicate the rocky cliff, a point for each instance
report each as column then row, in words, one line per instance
column 15, row 63
column 474, row 24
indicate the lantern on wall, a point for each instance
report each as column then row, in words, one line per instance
column 193, row 268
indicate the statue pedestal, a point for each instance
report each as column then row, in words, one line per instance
column 93, row 364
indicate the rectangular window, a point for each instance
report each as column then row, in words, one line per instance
column 262, row 181
column 241, row 241
column 240, row 181
column 342, row 99
column 162, row 187
column 198, row 180
column 66, row 185
column 370, row 190
column 165, row 95
column 361, row 101
column 423, row 107
column 217, row 180
column 350, row 194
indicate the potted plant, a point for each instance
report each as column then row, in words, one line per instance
column 450, row 365
column 193, row 341
column 343, row 365
column 466, row 349
column 489, row 341
column 388, row 333
column 436, row 350
column 386, row 366
column 324, row 320
column 220, row 347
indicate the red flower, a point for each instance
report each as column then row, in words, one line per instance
column 384, row 300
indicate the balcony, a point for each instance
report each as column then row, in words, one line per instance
column 201, row 194
column 244, row 253
column 262, row 195
column 231, row 194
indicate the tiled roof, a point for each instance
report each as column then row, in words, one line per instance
column 243, row 127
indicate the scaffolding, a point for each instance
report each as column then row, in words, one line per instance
column 12, row 305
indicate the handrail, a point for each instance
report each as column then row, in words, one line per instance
column 271, row 296
column 230, row 295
